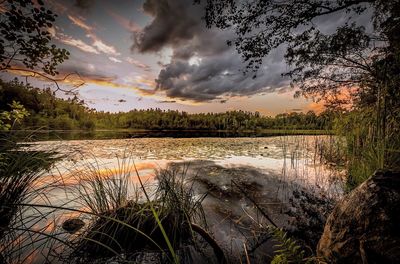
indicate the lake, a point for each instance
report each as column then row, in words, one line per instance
column 278, row 170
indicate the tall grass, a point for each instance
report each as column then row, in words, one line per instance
column 20, row 169
column 132, row 217
column 103, row 190
column 371, row 144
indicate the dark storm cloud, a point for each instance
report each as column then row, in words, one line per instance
column 216, row 76
column 202, row 66
column 174, row 21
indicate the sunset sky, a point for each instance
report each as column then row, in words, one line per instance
column 159, row 54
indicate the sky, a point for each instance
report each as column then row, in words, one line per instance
column 159, row 54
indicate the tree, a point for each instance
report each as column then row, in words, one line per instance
column 349, row 65
column 25, row 40
column 322, row 64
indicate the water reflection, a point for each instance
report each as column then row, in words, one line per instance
column 289, row 159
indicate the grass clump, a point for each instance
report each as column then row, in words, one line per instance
column 157, row 221
column 20, row 170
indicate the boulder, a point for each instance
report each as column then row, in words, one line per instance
column 365, row 226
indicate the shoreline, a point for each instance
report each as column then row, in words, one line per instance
column 67, row 135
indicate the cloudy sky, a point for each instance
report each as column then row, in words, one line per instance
column 158, row 53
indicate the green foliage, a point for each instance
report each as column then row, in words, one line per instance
column 45, row 110
column 15, row 115
column 288, row 250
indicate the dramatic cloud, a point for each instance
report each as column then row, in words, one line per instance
column 174, row 22
column 216, row 76
column 202, row 67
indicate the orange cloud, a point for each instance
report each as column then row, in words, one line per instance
column 80, row 23
column 77, row 43
column 146, row 81
column 76, row 80
column 101, row 46
column 341, row 99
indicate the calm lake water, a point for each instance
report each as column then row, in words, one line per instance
column 42, row 135
column 294, row 160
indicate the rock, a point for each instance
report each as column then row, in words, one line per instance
column 73, row 225
column 365, row 226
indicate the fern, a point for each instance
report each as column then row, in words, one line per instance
column 288, row 249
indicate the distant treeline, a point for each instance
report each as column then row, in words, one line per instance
column 47, row 111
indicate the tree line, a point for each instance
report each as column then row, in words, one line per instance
column 46, row 111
